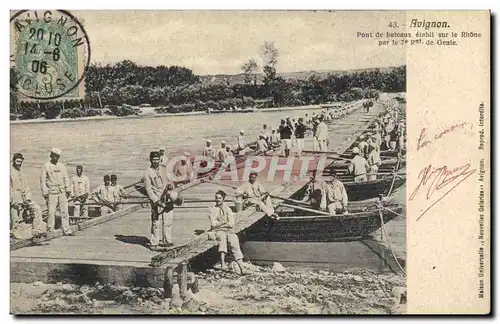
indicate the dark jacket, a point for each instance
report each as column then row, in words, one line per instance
column 285, row 132
column 300, row 130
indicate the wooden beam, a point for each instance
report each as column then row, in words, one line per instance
column 182, row 279
column 168, row 282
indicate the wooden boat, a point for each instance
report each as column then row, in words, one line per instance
column 385, row 153
column 357, row 191
column 297, row 226
column 387, row 165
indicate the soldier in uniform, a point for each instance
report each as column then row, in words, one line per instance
column 56, row 188
column 81, row 189
column 21, row 200
column 162, row 198
column 107, row 196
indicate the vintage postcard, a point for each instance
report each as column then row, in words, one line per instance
column 250, row 162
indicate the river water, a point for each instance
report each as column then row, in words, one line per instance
column 122, row 146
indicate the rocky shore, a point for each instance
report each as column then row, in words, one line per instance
column 264, row 290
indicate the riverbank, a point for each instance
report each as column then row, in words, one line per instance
column 150, row 113
column 264, row 290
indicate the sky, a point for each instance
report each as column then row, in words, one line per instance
column 219, row 42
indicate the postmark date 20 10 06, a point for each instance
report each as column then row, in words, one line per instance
column 51, row 52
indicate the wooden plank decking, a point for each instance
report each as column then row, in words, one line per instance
column 116, row 249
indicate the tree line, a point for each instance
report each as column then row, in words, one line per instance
column 177, row 89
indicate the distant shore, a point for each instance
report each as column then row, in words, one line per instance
column 150, row 113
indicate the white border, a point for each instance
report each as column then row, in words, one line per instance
column 190, row 4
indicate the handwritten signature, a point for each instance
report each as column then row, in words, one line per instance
column 423, row 141
column 440, row 178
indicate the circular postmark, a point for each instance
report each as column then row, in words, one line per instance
column 51, row 52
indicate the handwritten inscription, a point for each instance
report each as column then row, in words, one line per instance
column 423, row 140
column 442, row 180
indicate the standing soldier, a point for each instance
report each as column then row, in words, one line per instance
column 300, row 132
column 107, row 196
column 275, row 138
column 322, row 135
column 266, row 133
column 242, row 143
column 161, row 199
column 163, row 164
column 285, row 131
column 56, row 189
column 20, row 199
column 358, row 166
column 373, row 160
column 80, row 188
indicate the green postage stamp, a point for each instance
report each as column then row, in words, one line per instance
column 50, row 51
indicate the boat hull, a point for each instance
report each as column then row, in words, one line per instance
column 339, row 228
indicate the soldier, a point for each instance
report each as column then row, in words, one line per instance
column 163, row 164
column 285, row 131
column 183, row 171
column 107, row 196
column 56, row 188
column 119, row 189
column 80, row 188
column 322, row 136
column 266, row 133
column 300, row 132
column 275, row 138
column 315, row 192
column 241, row 143
column 358, row 166
column 373, row 160
column 262, row 147
column 208, row 150
column 222, row 224
column 254, row 194
column 21, row 200
column 221, row 152
column 336, row 197
column 162, row 199
column 363, row 146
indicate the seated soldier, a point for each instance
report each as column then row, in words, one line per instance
column 222, row 224
column 316, row 190
column 323, row 196
column 254, row 193
column 336, row 197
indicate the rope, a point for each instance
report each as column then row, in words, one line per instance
column 389, row 242
column 394, row 178
column 380, row 206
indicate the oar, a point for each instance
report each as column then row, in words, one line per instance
column 188, row 201
column 321, row 152
column 320, row 212
column 338, row 158
column 221, row 184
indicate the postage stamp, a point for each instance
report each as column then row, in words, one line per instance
column 250, row 162
column 50, row 52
